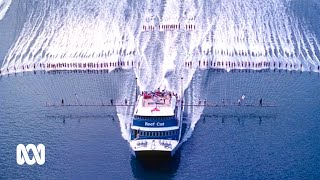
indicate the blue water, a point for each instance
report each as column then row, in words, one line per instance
column 228, row 142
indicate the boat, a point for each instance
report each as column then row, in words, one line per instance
column 156, row 128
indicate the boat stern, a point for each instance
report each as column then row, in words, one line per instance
column 153, row 148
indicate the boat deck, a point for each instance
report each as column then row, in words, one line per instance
column 158, row 101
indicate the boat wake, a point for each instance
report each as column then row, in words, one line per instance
column 4, row 6
column 124, row 113
column 162, row 41
column 224, row 34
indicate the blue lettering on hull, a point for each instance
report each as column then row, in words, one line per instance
column 155, row 123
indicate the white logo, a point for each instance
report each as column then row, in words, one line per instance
column 24, row 157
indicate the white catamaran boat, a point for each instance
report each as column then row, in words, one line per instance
column 156, row 127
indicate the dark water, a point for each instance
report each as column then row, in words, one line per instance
column 228, row 142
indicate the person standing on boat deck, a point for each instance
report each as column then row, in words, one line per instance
column 62, row 102
column 111, row 101
column 125, row 101
column 260, row 102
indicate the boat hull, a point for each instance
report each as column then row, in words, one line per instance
column 158, row 154
column 153, row 154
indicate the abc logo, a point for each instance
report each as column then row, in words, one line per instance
column 38, row 154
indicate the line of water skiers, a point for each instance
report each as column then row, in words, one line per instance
column 204, row 63
column 239, row 102
column 168, row 27
column 74, row 65
column 248, row 64
column 111, row 102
